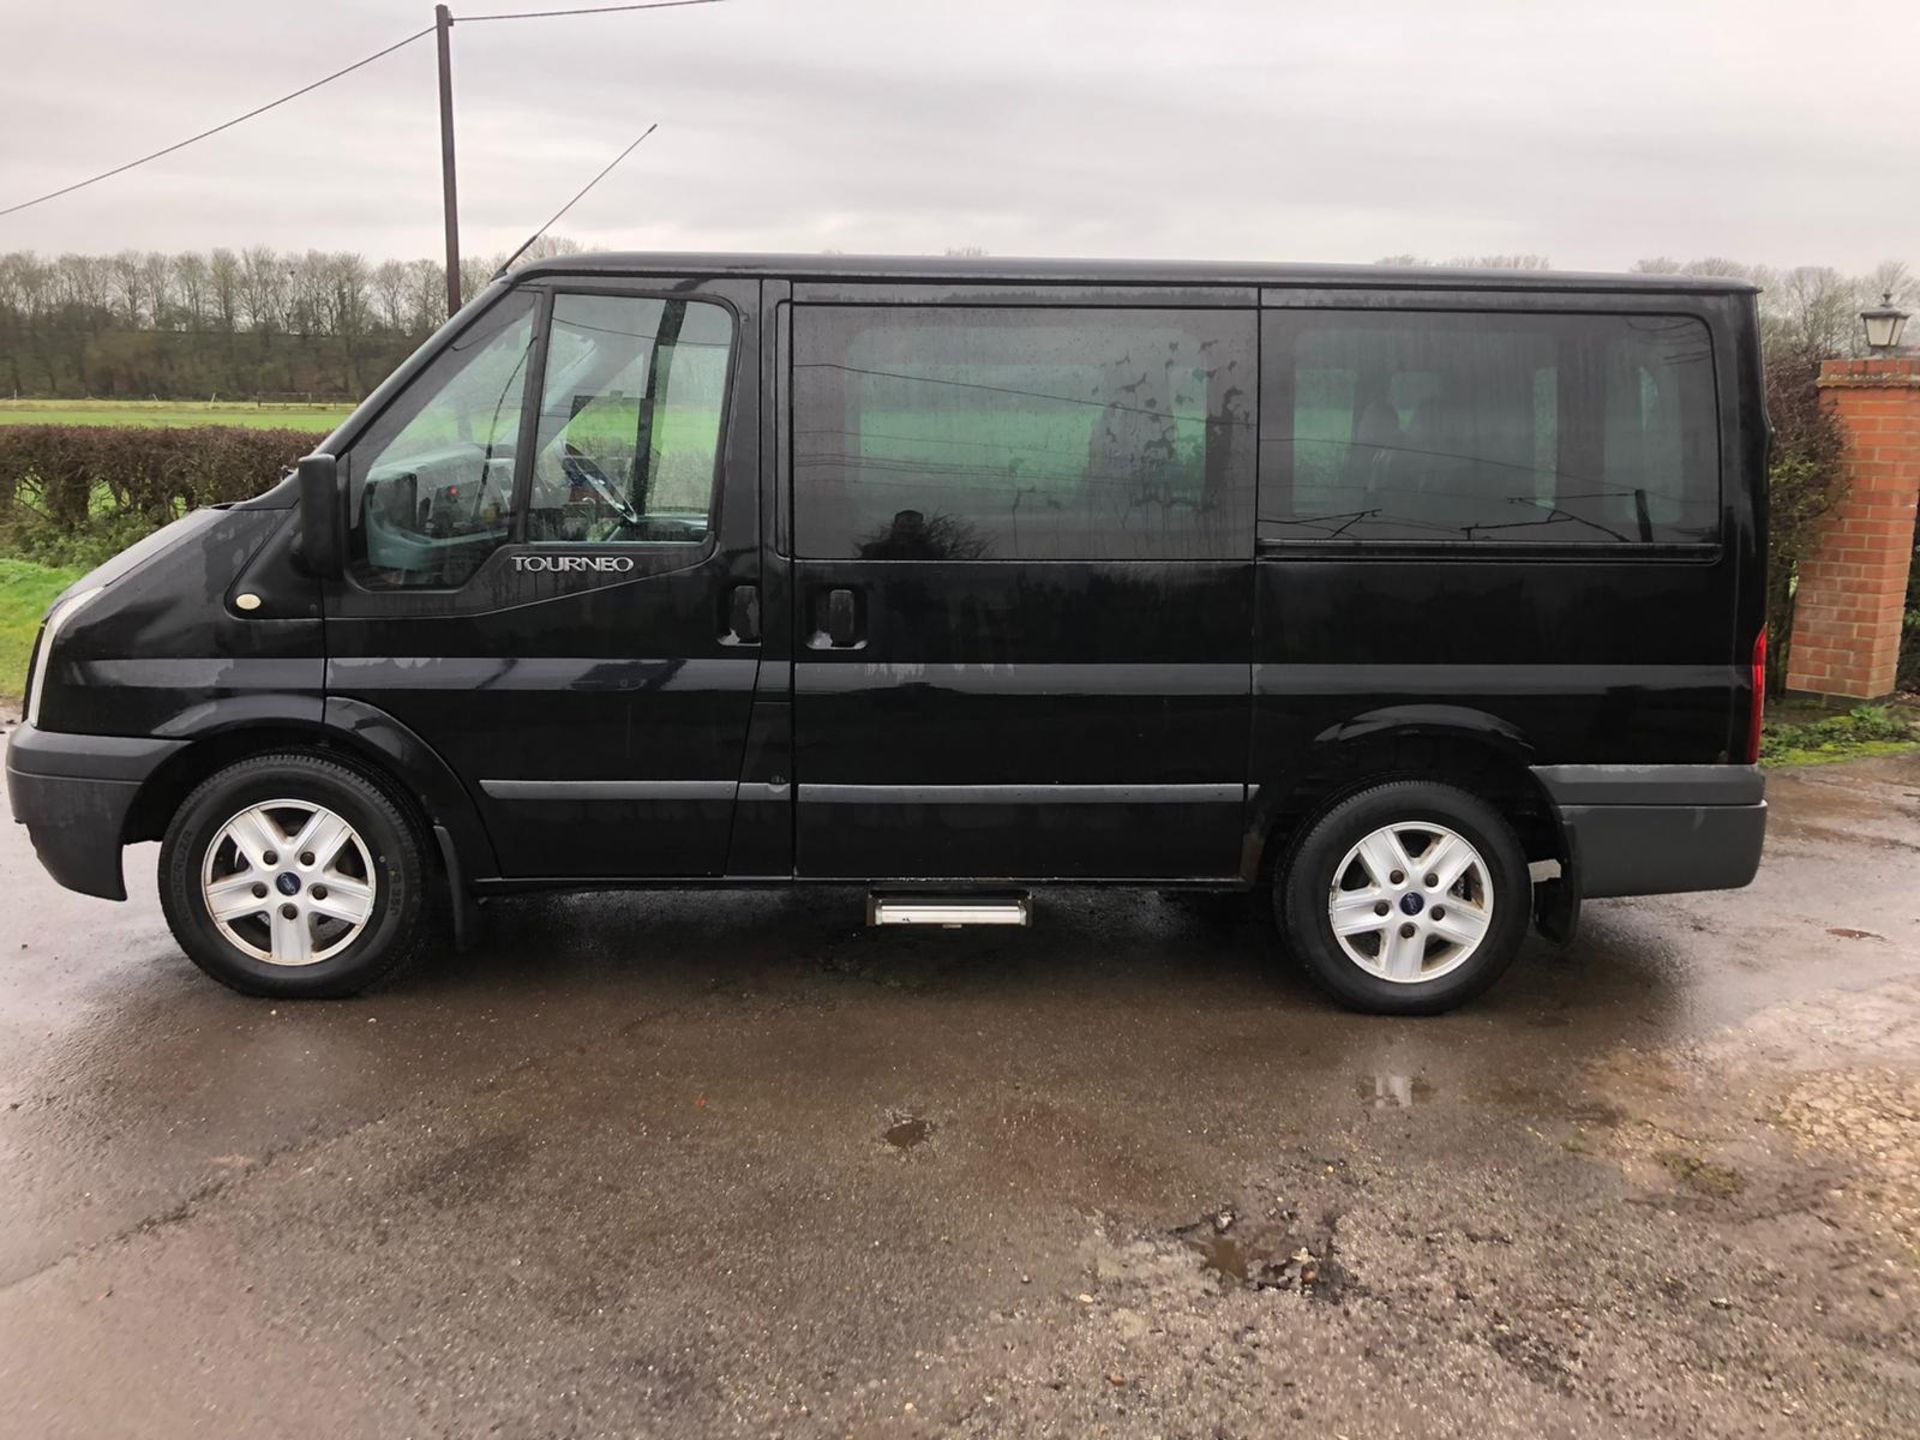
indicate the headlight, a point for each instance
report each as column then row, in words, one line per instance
column 49, row 633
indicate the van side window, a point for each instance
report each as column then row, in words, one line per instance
column 962, row 433
column 630, row 416
column 432, row 480
column 1450, row 427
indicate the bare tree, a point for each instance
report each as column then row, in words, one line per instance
column 1720, row 267
column 156, row 276
column 224, row 277
column 263, row 288
column 547, row 247
column 1812, row 311
column 1895, row 279
column 1408, row 260
column 389, row 285
column 21, row 286
column 475, row 272
column 85, row 282
column 344, row 299
column 426, row 295
column 129, row 278
column 190, row 285
column 1502, row 262
column 309, row 311
column 345, row 309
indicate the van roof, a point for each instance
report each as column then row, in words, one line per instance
column 1117, row 272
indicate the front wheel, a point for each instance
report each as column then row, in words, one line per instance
column 1406, row 899
column 293, row 876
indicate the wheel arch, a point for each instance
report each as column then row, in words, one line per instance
column 353, row 732
column 1478, row 752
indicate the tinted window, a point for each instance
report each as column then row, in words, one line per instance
column 433, row 478
column 630, row 414
column 1565, row 429
column 975, row 434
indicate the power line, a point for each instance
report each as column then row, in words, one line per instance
column 228, row 125
column 590, row 10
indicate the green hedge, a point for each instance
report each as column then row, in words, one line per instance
column 25, row 593
column 76, row 494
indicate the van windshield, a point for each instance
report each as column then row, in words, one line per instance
column 433, row 479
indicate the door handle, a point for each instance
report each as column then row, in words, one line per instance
column 842, row 624
column 743, row 616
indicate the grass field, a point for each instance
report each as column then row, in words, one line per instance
column 25, row 592
column 172, row 413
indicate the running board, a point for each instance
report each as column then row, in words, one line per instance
column 951, row 911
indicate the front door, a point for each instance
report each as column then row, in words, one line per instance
column 1023, row 549
column 553, row 554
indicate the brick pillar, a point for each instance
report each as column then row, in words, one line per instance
column 1846, row 621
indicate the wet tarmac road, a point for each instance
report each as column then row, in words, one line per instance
column 685, row 1164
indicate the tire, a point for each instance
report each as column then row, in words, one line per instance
column 365, row 900
column 1435, row 946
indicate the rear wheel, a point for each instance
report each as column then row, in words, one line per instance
column 291, row 875
column 1408, row 898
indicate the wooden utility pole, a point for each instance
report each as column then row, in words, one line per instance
column 443, row 35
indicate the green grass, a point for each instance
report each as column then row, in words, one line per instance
column 173, row 414
column 25, row 592
column 1803, row 735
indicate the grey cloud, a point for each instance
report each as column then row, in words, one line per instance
column 1254, row 130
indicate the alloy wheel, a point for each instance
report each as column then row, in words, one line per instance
column 1411, row 902
column 288, row 882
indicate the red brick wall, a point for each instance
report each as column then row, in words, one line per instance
column 1846, row 622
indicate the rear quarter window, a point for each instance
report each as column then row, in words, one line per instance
column 1489, row 428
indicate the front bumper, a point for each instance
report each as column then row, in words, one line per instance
column 73, row 792
column 1659, row 829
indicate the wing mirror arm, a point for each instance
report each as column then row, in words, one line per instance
column 323, row 516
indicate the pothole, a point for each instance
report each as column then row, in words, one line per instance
column 1273, row 1252
column 1704, row 1177
column 907, row 1130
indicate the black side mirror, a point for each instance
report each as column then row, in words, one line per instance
column 323, row 526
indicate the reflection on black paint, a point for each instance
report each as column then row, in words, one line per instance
column 916, row 536
column 1049, row 434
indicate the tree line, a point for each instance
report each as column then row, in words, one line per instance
column 258, row 323
column 255, row 323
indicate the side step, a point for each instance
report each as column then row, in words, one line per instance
column 950, row 911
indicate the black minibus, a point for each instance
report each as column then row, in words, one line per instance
column 1427, row 603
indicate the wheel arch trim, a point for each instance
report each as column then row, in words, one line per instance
column 1360, row 750
column 228, row 730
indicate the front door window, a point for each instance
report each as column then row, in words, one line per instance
column 629, row 420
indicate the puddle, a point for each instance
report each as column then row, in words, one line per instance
column 1579, row 1109
column 1224, row 1257
column 1387, row 1091
column 907, row 1131
column 1271, row 1254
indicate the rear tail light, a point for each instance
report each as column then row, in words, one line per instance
column 1759, row 696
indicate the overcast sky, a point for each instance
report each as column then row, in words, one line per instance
column 1596, row 134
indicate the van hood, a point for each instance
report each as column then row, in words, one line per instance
column 142, row 552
